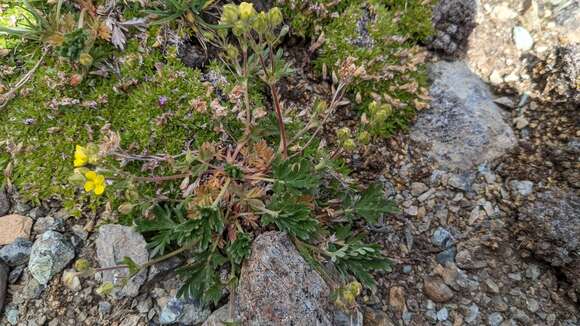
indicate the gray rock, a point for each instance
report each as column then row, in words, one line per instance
column 472, row 314
column 417, row 188
column 446, row 256
column 463, row 126
column 494, row 319
column 32, row 289
column 16, row 253
column 48, row 223
column 114, row 243
column 533, row 272
column 15, row 274
column 11, row 315
column 522, row 38
column 184, row 312
column 3, row 283
column 442, row 238
column 4, row 202
column 104, row 308
column 454, row 21
column 50, row 254
column 278, row 287
column 343, row 319
column 550, row 229
column 442, row 314
column 221, row 315
column 523, row 188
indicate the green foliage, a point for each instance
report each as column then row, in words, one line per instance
column 292, row 217
column 73, row 45
column 381, row 35
column 295, row 175
column 351, row 255
column 202, row 277
column 371, row 205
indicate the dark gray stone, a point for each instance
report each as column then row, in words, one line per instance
column 3, row 284
column 454, row 20
column 463, row 127
column 550, row 229
column 16, row 253
column 442, row 238
column 48, row 223
column 446, row 256
column 4, row 202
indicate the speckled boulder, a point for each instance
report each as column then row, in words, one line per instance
column 463, row 126
column 278, row 287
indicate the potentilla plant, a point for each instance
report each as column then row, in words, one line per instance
column 233, row 190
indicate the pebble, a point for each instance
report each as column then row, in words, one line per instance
column 495, row 78
column 14, row 226
column 522, row 38
column 11, row 315
column 523, row 188
column 397, row 299
column 533, row 272
column 460, row 182
column 437, row 290
column 413, row 210
column 417, row 188
column 442, row 238
column 49, row 223
column 442, row 314
column 16, row 253
column 533, row 305
column 472, row 314
column 505, row 102
column 407, row 269
column 104, row 308
column 50, row 254
column 446, row 256
column 494, row 319
column 521, row 122
column 492, row 286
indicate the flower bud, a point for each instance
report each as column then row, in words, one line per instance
column 364, row 137
column 275, row 16
column 232, row 52
column 239, row 28
column 230, row 14
column 82, row 265
column 260, row 24
column 373, row 107
column 343, row 133
column 85, row 59
column 349, row 144
column 247, row 10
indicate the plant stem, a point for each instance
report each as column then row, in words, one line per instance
column 277, row 106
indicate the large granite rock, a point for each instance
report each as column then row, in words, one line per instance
column 278, row 287
column 463, row 126
column 16, row 253
column 114, row 243
column 453, row 21
column 50, row 254
column 549, row 226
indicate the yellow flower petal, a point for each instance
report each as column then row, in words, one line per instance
column 100, row 179
column 99, row 189
column 78, row 163
column 89, row 186
column 246, row 10
column 91, row 175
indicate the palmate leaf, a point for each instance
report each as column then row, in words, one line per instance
column 170, row 227
column 240, row 248
column 355, row 257
column 296, row 175
column 202, row 277
column 291, row 217
column 373, row 204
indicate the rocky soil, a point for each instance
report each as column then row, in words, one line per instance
column 487, row 179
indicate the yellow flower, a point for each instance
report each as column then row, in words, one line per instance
column 230, row 13
column 81, row 156
column 246, row 10
column 95, row 182
column 275, row 16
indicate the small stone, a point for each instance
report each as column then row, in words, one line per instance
column 533, row 305
column 49, row 223
column 37, row 212
column 407, row 269
column 472, row 314
column 521, row 122
column 80, row 232
column 465, row 260
column 222, row 315
column 505, row 102
column 183, row 311
column 494, row 319
column 14, row 226
column 417, row 188
column 492, row 286
column 495, row 78
column 11, row 315
column 171, row 312
column 446, row 256
column 397, row 299
column 15, row 274
column 522, row 39
column 104, row 308
column 413, row 210
column 523, row 188
column 16, row 253
column 442, row 238
column 533, row 272
column 32, row 289
column 50, row 254
column 372, row 317
column 442, row 314
column 515, row 276
column 460, row 182
column 437, row 290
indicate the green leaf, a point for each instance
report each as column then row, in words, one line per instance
column 373, row 204
column 134, row 268
column 295, row 174
column 291, row 217
column 240, row 248
column 202, row 277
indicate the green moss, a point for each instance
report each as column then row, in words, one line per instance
column 381, row 36
column 49, row 130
